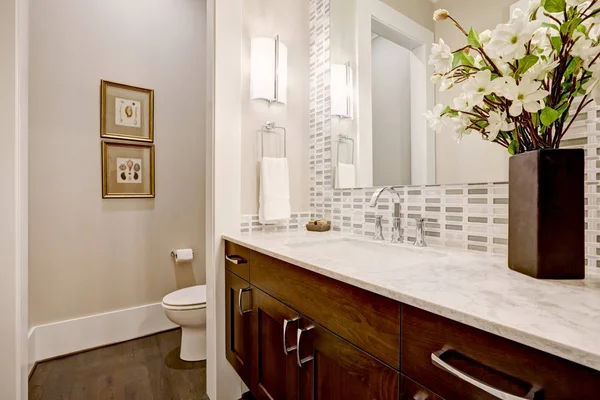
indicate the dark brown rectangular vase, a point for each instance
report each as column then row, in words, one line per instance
column 546, row 238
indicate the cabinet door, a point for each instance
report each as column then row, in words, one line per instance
column 238, row 325
column 333, row 369
column 274, row 368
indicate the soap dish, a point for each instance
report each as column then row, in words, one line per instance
column 318, row 228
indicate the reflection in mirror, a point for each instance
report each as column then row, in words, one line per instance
column 383, row 139
column 390, row 93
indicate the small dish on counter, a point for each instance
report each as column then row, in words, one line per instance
column 318, row 226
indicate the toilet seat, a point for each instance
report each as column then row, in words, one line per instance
column 190, row 298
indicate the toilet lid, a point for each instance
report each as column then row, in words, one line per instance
column 190, row 296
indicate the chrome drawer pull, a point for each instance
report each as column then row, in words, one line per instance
column 286, row 349
column 240, row 293
column 436, row 359
column 234, row 259
column 298, row 337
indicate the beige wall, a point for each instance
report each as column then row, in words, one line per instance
column 472, row 160
column 420, row 11
column 89, row 255
column 289, row 19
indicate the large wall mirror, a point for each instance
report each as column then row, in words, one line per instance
column 380, row 90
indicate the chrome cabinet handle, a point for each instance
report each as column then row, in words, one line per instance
column 436, row 359
column 234, row 259
column 286, row 349
column 298, row 337
column 240, row 293
column 420, row 396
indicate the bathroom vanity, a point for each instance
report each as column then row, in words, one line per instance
column 325, row 316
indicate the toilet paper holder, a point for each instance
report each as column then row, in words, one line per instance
column 173, row 253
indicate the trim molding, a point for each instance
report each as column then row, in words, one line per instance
column 75, row 335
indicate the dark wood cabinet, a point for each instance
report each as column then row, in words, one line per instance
column 293, row 334
column 459, row 362
column 238, row 326
column 333, row 369
column 369, row 321
column 274, row 370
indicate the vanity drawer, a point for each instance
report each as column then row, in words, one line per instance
column 367, row 320
column 237, row 260
column 494, row 362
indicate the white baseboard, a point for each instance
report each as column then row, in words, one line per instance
column 65, row 337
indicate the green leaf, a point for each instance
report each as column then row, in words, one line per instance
column 473, row 39
column 448, row 111
column 551, row 26
column 568, row 27
column 460, row 58
column 563, row 108
column 571, row 67
column 555, row 6
column 556, row 43
column 513, row 147
column 535, row 118
column 526, row 62
column 548, row 116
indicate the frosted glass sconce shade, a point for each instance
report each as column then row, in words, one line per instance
column 268, row 70
column 341, row 90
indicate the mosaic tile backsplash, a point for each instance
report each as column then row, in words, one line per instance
column 470, row 217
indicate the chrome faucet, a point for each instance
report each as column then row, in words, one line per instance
column 420, row 236
column 396, row 225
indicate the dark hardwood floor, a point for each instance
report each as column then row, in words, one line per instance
column 146, row 369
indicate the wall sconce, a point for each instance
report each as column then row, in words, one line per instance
column 341, row 90
column 268, row 70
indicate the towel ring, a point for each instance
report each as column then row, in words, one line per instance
column 344, row 138
column 269, row 127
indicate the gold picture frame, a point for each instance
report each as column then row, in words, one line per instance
column 128, row 170
column 126, row 112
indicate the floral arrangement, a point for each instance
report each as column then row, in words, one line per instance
column 519, row 81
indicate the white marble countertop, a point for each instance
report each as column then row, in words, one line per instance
column 558, row 317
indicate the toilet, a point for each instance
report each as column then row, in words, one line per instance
column 187, row 308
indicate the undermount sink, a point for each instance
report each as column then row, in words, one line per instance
column 344, row 248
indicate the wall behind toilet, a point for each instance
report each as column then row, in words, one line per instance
column 89, row 255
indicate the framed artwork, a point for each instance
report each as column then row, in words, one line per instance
column 127, row 112
column 127, row 170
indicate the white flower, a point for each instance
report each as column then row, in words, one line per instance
column 533, row 6
column 463, row 102
column 435, row 118
column 541, row 41
column 446, row 84
column 509, row 40
column 496, row 123
column 485, row 37
column 459, row 126
column 526, row 94
column 592, row 86
column 582, row 47
column 541, row 69
column 440, row 15
column 441, row 57
column 479, row 86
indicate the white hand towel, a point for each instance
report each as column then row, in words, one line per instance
column 274, row 201
column 345, row 176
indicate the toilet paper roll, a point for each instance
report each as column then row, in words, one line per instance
column 184, row 255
